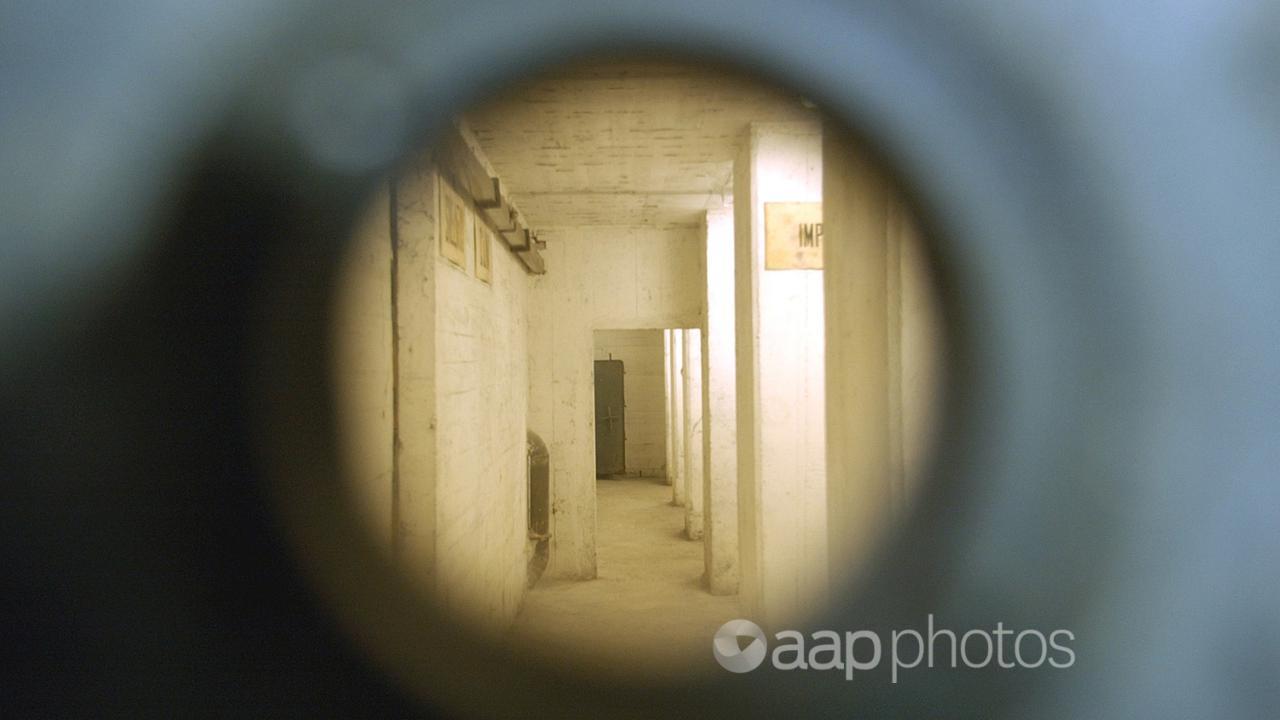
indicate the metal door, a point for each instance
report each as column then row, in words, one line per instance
column 611, row 434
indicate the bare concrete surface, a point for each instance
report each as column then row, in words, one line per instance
column 648, row 615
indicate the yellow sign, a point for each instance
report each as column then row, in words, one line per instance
column 484, row 243
column 453, row 227
column 793, row 236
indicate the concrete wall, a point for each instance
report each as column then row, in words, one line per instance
column 642, row 356
column 432, row 378
column 598, row 278
column 883, row 354
column 363, row 368
column 414, row 312
column 482, row 400
column 781, row 395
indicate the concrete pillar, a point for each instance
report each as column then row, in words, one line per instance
column 919, row 356
column 693, row 468
column 856, row 259
column 719, row 414
column 678, row 491
column 562, row 411
column 668, row 468
column 781, row 396
column 881, row 322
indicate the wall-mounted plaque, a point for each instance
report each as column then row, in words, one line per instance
column 484, row 245
column 793, row 236
column 453, row 227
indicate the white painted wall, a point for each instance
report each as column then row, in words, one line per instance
column 414, row 307
column 598, row 278
column 435, row 450
column 363, row 368
column 719, row 410
column 781, row 396
column 642, row 356
column 482, row 400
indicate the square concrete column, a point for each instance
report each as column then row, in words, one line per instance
column 693, row 477
column 860, row 495
column 882, row 344
column 669, row 467
column 719, row 411
column 678, row 493
column 781, row 397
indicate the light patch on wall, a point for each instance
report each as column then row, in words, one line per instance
column 793, row 236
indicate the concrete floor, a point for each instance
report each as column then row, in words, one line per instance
column 648, row 614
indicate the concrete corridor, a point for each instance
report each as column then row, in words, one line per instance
column 647, row 613
column 668, row 218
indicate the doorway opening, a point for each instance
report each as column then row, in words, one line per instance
column 611, row 411
column 630, row 404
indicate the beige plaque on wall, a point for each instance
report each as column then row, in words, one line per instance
column 484, row 243
column 793, row 236
column 453, row 227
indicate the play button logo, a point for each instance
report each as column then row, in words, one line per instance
column 739, row 646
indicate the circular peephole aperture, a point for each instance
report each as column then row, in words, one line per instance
column 636, row 348
column 355, row 369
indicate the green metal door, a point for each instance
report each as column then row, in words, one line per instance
column 611, row 435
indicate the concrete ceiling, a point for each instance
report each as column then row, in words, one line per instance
column 638, row 143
